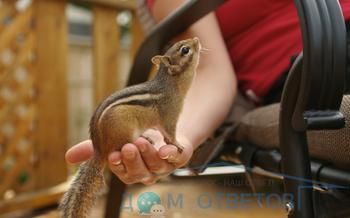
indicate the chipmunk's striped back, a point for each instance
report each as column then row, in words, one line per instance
column 142, row 95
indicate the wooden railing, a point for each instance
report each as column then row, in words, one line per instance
column 33, row 93
column 105, row 45
column 18, row 99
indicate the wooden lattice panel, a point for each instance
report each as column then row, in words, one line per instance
column 17, row 99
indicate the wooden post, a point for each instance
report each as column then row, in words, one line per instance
column 105, row 52
column 137, row 34
column 106, row 80
column 51, row 30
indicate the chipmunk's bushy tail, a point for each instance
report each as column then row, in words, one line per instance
column 80, row 197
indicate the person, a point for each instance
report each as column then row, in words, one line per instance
column 251, row 44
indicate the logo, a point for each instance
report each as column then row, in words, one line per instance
column 149, row 203
column 157, row 211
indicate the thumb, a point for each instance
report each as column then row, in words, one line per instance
column 80, row 152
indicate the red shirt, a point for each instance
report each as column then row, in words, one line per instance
column 261, row 37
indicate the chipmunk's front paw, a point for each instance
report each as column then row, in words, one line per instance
column 180, row 148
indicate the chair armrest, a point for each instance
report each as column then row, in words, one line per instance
column 324, row 66
column 174, row 24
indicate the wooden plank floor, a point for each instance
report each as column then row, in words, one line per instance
column 207, row 197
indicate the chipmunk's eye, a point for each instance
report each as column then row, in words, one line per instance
column 185, row 50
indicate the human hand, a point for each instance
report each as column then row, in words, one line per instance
column 140, row 161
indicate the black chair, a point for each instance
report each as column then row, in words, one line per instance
column 311, row 100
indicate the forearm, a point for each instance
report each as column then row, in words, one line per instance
column 214, row 87
column 205, row 108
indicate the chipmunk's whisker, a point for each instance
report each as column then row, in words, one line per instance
column 204, row 50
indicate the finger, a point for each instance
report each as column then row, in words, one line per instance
column 135, row 167
column 80, row 152
column 150, row 180
column 151, row 158
column 116, row 165
column 173, row 156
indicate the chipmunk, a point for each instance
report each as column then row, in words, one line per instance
column 125, row 115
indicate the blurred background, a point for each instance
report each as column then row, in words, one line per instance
column 57, row 60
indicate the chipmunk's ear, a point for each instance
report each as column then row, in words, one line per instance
column 161, row 59
column 172, row 69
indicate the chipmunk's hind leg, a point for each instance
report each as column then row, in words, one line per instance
column 117, row 129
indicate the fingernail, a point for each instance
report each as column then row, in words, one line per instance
column 164, row 157
column 130, row 155
column 116, row 162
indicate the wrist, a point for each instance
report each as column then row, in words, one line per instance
column 185, row 142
